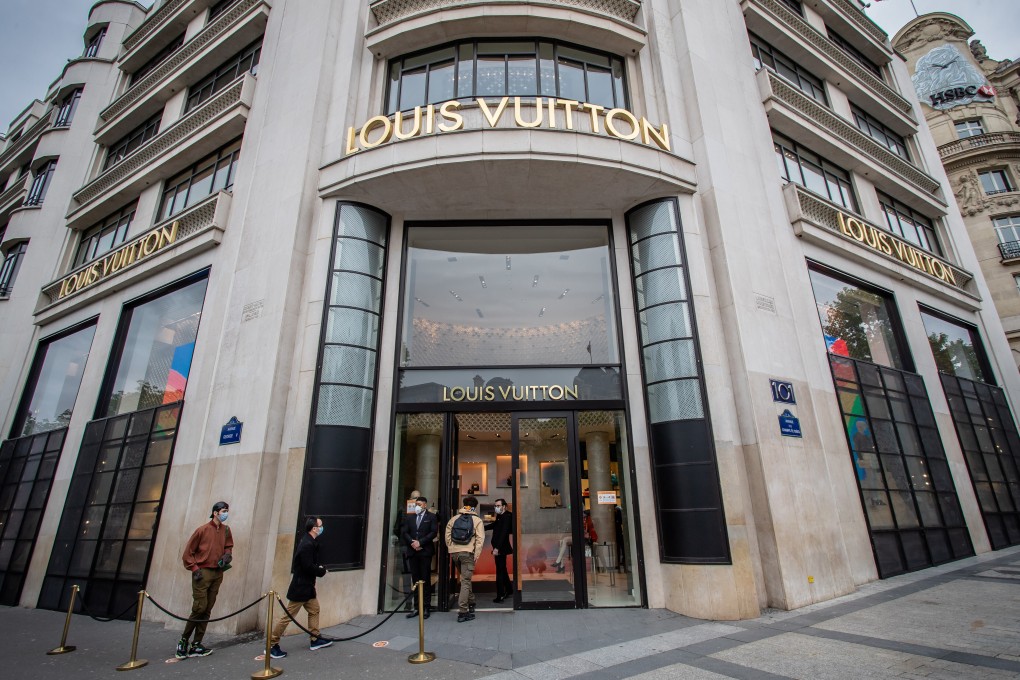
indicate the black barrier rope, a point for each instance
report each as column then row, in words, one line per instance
column 103, row 619
column 203, row 620
column 347, row 639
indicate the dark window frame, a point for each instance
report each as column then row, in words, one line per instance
column 925, row 233
column 765, row 55
column 788, row 150
column 40, row 183
column 132, row 141
column 397, row 70
column 881, row 133
column 117, row 223
column 998, row 179
column 218, row 9
column 93, row 43
column 10, row 267
column 244, row 61
column 67, row 108
column 859, row 57
column 157, row 59
column 182, row 183
column 984, row 364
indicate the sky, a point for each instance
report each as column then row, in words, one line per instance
column 37, row 37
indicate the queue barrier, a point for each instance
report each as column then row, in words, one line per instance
column 268, row 671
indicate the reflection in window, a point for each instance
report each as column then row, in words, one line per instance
column 995, row 182
column 912, row 226
column 811, row 171
column 149, row 66
column 856, row 323
column 508, row 296
column 505, row 68
column 851, row 51
column 155, row 355
column 133, row 140
column 956, row 346
column 53, row 382
column 242, row 62
column 875, row 129
column 969, row 128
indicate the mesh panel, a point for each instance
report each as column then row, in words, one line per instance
column 359, row 256
column 676, row 400
column 658, row 251
column 352, row 327
column 674, row 359
column 664, row 285
column 355, row 290
column 351, row 365
column 653, row 219
column 343, row 405
column 666, row 323
column 362, row 223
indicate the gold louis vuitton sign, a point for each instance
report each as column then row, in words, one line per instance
column 884, row 242
column 510, row 393
column 120, row 259
column 540, row 112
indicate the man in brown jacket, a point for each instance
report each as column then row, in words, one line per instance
column 207, row 555
column 464, row 544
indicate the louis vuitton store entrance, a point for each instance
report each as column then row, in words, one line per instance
column 510, row 388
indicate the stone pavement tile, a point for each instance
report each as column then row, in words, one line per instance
column 574, row 665
column 735, row 670
column 401, row 642
column 543, row 671
column 500, row 660
column 679, row 671
column 963, row 616
column 984, row 661
column 754, row 634
column 693, row 634
column 611, row 655
column 709, row 647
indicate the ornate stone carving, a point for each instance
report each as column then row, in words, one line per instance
column 978, row 50
column 931, row 31
column 967, row 194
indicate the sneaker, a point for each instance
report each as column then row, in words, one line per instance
column 197, row 649
column 319, row 643
column 182, row 649
column 461, row 618
column 471, row 609
column 277, row 653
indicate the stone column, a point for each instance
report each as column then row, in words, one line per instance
column 428, row 467
column 600, row 479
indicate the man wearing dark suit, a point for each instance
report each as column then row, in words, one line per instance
column 420, row 529
column 502, row 529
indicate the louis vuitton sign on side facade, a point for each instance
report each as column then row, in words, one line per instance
column 523, row 112
column 126, row 256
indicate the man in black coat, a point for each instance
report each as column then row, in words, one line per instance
column 417, row 536
column 305, row 568
column 502, row 530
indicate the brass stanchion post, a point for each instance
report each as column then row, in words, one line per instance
column 268, row 671
column 422, row 656
column 63, row 648
column 134, row 663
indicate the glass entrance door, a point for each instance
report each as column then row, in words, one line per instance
column 548, row 515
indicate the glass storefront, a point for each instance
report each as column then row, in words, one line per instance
column 111, row 515
column 499, row 321
column 907, row 491
column 28, row 461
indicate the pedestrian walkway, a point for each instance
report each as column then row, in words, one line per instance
column 960, row 620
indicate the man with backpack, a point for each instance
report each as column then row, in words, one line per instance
column 465, row 535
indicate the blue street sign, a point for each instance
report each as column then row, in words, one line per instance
column 782, row 392
column 231, row 432
column 789, row 425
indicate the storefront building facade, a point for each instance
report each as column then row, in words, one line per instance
column 688, row 280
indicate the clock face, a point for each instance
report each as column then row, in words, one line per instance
column 945, row 78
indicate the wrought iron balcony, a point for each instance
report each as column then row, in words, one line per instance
column 989, row 139
column 1010, row 250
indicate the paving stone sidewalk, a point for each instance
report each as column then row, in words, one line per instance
column 960, row 620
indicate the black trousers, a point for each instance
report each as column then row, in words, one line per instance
column 503, row 585
column 420, row 565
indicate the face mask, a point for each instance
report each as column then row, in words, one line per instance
column 223, row 516
column 418, row 509
column 320, row 530
column 499, row 510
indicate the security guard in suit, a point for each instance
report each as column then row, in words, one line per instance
column 502, row 530
column 417, row 536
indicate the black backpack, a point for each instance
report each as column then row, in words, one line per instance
column 463, row 529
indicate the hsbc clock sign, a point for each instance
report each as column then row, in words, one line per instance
column 945, row 78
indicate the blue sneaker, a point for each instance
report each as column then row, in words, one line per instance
column 319, row 643
column 277, row 653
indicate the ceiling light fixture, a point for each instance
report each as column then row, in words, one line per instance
column 542, row 313
column 458, row 297
column 421, row 302
column 508, row 263
column 481, row 279
column 564, row 293
column 600, row 297
column 479, row 313
column 534, row 281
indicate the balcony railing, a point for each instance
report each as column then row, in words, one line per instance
column 388, row 11
column 822, row 43
column 861, row 20
column 977, row 142
column 851, row 135
column 148, row 26
column 1010, row 250
column 205, row 37
column 174, row 135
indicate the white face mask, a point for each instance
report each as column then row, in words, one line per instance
column 418, row 509
column 500, row 509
